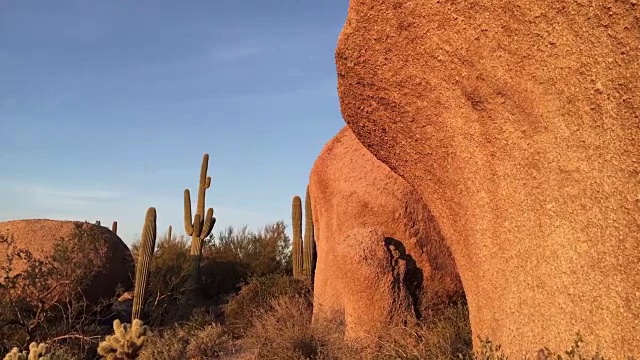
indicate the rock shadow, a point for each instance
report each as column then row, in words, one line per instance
column 414, row 276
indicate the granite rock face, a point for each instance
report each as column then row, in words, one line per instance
column 380, row 256
column 519, row 124
column 98, row 261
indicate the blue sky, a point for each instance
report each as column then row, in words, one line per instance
column 106, row 107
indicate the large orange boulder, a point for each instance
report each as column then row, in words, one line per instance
column 90, row 258
column 380, row 256
column 519, row 124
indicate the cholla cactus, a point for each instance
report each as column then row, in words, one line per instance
column 126, row 343
column 36, row 352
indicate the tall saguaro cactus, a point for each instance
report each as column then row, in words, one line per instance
column 202, row 224
column 296, row 223
column 147, row 245
column 114, row 227
column 309, row 240
column 169, row 233
column 303, row 251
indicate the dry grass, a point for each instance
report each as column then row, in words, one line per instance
column 168, row 344
column 256, row 297
column 187, row 342
column 285, row 332
column 210, row 342
column 444, row 336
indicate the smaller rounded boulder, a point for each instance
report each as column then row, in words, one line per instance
column 75, row 258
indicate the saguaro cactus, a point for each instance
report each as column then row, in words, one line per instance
column 114, row 227
column 169, row 233
column 309, row 240
column 202, row 224
column 147, row 245
column 296, row 223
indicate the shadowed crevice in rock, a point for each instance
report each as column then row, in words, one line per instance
column 413, row 276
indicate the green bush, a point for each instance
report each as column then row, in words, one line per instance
column 259, row 253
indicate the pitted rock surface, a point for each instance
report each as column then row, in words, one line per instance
column 519, row 124
column 378, row 246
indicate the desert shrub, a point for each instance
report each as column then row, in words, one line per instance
column 233, row 256
column 59, row 352
column 283, row 330
column 168, row 344
column 220, row 278
column 170, row 289
column 205, row 315
column 257, row 295
column 186, row 342
column 260, row 253
column 228, row 260
column 209, row 342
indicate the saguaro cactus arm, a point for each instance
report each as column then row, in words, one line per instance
column 205, row 183
column 209, row 221
column 188, row 225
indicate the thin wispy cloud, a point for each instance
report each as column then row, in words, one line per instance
column 73, row 194
column 47, row 197
column 26, row 188
column 32, row 200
